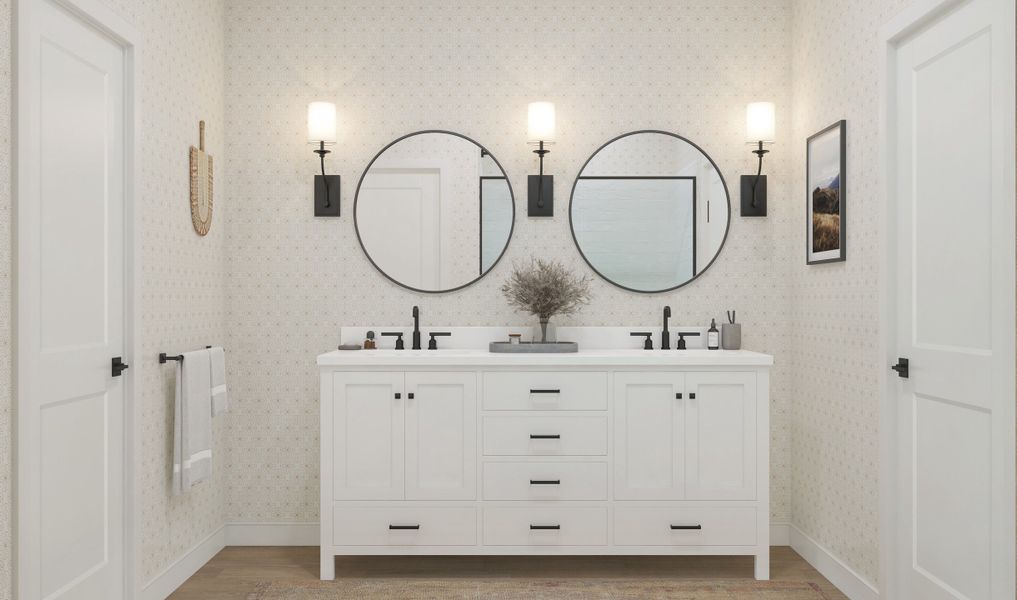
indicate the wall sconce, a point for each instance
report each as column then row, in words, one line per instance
column 759, row 129
column 321, row 131
column 540, row 199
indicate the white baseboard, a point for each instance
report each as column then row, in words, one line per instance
column 846, row 579
column 780, row 534
column 272, row 534
column 163, row 584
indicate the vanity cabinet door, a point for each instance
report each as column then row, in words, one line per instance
column 649, row 429
column 720, row 434
column 441, row 436
column 367, row 436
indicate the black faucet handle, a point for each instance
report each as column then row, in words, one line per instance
column 399, row 340
column 648, row 344
column 433, row 344
column 680, row 345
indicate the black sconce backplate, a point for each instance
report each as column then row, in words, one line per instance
column 320, row 210
column 547, row 196
column 759, row 210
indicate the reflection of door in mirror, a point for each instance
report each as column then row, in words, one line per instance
column 403, row 206
column 433, row 209
column 638, row 230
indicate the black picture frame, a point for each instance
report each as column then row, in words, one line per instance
column 831, row 198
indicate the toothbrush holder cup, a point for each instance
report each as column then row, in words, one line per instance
column 731, row 336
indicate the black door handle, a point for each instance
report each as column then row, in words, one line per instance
column 902, row 368
column 118, row 366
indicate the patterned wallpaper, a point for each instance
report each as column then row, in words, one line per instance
column 835, row 358
column 394, row 67
column 6, row 483
column 183, row 289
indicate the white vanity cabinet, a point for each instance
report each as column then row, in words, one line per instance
column 467, row 452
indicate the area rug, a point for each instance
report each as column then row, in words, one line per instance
column 535, row 589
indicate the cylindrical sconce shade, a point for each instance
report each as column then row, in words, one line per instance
column 760, row 123
column 541, row 122
column 321, row 122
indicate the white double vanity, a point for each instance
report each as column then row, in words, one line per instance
column 461, row 451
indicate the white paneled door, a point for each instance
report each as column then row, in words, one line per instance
column 71, row 306
column 368, row 415
column 441, row 436
column 951, row 182
column 649, row 436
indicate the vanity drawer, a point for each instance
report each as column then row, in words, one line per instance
column 404, row 526
column 545, row 526
column 545, row 436
column 545, row 481
column 545, row 390
column 663, row 526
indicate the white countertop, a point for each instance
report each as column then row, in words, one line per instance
column 606, row 358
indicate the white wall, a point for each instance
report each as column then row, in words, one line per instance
column 835, row 357
column 183, row 290
column 397, row 67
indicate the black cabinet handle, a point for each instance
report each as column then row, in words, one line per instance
column 676, row 527
column 539, row 527
column 678, row 396
column 410, row 396
column 692, row 395
column 545, row 482
column 545, row 391
column 398, row 395
column 540, row 436
column 403, row 527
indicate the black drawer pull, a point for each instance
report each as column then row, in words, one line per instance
column 545, row 482
column 398, row 395
column 549, row 436
column 692, row 395
column 545, row 527
column 678, row 396
column 399, row 527
column 545, row 391
column 674, row 527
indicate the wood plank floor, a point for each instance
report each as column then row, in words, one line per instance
column 233, row 573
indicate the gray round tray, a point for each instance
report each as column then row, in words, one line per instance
column 533, row 347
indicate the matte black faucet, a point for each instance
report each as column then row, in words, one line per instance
column 416, row 328
column 665, row 336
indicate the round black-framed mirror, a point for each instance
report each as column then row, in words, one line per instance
column 434, row 211
column 650, row 211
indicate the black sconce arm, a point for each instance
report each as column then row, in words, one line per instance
column 321, row 152
column 760, row 151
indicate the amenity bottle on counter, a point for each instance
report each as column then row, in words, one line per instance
column 713, row 336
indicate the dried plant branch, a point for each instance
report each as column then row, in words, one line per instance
column 546, row 289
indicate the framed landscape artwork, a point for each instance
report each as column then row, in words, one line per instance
column 825, row 187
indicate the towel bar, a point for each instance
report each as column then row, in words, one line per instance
column 163, row 357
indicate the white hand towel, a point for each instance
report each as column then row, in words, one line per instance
column 192, row 425
column 220, row 401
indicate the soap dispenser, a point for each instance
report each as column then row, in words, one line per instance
column 713, row 336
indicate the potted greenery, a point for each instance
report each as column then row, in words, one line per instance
column 545, row 289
